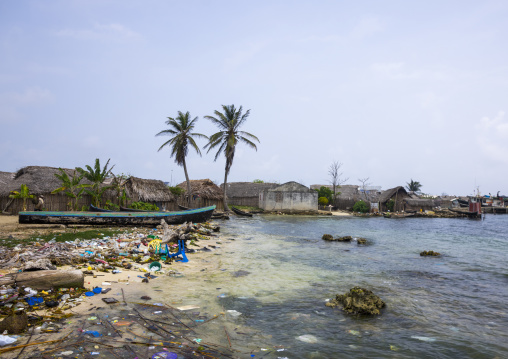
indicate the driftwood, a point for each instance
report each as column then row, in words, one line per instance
column 45, row 279
column 181, row 232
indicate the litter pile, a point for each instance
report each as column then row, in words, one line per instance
column 35, row 295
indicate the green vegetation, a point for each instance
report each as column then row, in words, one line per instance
column 229, row 135
column 144, row 206
column 177, row 191
column 182, row 136
column 111, row 206
column 414, row 186
column 118, row 184
column 325, row 192
column 258, row 181
column 23, row 193
column 361, row 207
column 97, row 177
column 60, row 237
column 71, row 186
column 323, row 201
column 248, row 208
column 390, row 205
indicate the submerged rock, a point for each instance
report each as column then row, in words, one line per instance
column 361, row 240
column 358, row 301
column 429, row 253
column 327, row 237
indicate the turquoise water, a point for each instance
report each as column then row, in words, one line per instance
column 453, row 306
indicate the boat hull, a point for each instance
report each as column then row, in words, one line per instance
column 240, row 212
column 117, row 218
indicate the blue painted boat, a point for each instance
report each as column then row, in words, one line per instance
column 195, row 215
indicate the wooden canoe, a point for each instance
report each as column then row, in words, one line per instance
column 97, row 209
column 240, row 212
column 125, row 209
column 196, row 215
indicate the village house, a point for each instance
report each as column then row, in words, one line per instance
column 291, row 197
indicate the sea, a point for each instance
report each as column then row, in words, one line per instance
column 273, row 275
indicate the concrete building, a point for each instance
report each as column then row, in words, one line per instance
column 291, row 197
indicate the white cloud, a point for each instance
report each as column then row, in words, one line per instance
column 493, row 137
column 109, row 32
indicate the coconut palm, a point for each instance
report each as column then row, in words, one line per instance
column 71, row 186
column 181, row 128
column 23, row 193
column 97, row 177
column 414, row 186
column 226, row 140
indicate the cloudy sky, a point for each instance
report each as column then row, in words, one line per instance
column 394, row 90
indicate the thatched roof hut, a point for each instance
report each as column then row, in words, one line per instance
column 398, row 194
column 148, row 190
column 204, row 193
column 40, row 180
column 246, row 193
column 424, row 204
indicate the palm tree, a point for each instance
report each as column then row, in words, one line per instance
column 71, row 187
column 97, row 177
column 229, row 123
column 181, row 129
column 413, row 186
column 23, row 193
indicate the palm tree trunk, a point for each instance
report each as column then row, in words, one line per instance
column 189, row 192
column 226, row 208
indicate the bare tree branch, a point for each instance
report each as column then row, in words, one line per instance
column 365, row 184
column 336, row 177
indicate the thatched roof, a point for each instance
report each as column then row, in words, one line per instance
column 291, row 187
column 348, row 191
column 247, row 189
column 204, row 188
column 148, row 190
column 423, row 202
column 389, row 193
column 39, row 179
column 5, row 179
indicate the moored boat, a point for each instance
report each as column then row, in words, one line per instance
column 117, row 218
column 240, row 212
column 92, row 208
column 125, row 209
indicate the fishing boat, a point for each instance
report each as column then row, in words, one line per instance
column 125, row 209
column 240, row 212
column 196, row 215
column 92, row 208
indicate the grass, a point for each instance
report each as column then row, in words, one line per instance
column 60, row 237
column 247, row 208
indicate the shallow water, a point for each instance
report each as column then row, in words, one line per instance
column 278, row 272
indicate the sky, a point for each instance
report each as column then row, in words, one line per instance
column 393, row 90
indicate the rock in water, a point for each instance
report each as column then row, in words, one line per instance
column 327, row 237
column 307, row 338
column 358, row 301
column 429, row 253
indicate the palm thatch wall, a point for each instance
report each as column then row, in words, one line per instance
column 40, row 180
column 204, row 193
column 423, row 204
column 150, row 191
column 398, row 194
column 246, row 193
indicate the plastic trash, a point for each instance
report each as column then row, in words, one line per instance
column 34, row 300
column 93, row 333
column 89, row 294
column 30, row 292
column 233, row 313
column 97, row 290
column 5, row 340
column 423, row 339
column 165, row 355
column 155, row 267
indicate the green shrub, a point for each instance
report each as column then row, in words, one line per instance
column 144, row 206
column 258, row 181
column 361, row 207
column 390, row 204
column 111, row 206
column 325, row 192
column 177, row 191
column 323, row 201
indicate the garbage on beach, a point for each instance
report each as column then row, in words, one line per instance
column 308, row 338
column 6, row 340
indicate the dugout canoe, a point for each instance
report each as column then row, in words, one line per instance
column 240, row 212
column 196, row 215
column 125, row 209
column 97, row 209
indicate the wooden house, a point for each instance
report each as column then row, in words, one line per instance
column 397, row 195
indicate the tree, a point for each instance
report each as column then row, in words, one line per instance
column 326, row 193
column 97, row 177
column 182, row 136
column 118, row 184
column 364, row 183
column 228, row 137
column 23, row 193
column 414, row 186
column 71, row 186
column 336, row 177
